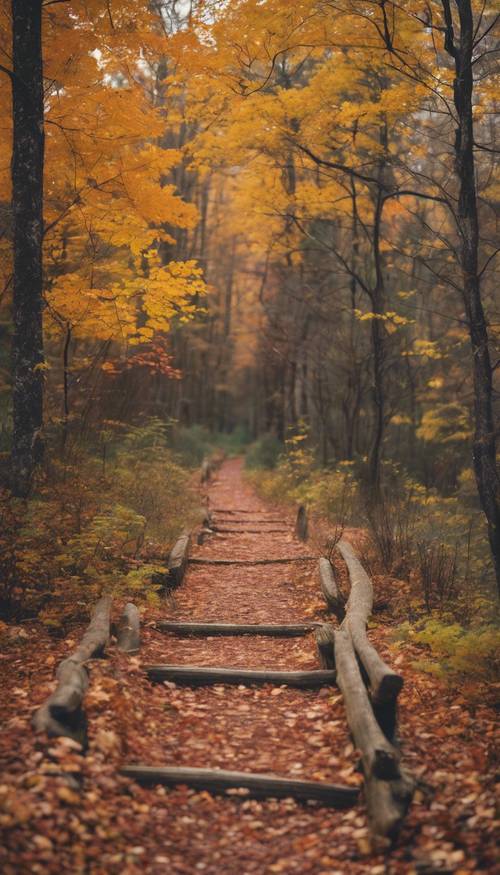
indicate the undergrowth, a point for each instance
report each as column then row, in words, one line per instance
column 94, row 519
column 431, row 548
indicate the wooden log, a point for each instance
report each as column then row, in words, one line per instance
column 199, row 561
column 96, row 637
column 193, row 675
column 258, row 786
column 379, row 757
column 202, row 536
column 292, row 630
column 387, row 803
column 330, row 590
column 245, row 531
column 301, row 524
column 128, row 634
column 206, row 472
column 247, row 521
column 178, row 559
column 324, row 643
column 62, row 713
column 385, row 684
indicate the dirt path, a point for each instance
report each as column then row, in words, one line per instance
column 115, row 827
column 300, row 734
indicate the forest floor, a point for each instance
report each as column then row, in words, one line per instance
column 104, row 824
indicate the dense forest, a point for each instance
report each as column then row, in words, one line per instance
column 249, row 318
column 246, row 219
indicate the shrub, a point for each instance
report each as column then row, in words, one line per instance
column 264, row 452
column 456, row 652
column 88, row 521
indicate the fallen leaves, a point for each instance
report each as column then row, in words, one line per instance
column 63, row 813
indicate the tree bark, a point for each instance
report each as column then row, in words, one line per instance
column 27, row 207
column 260, row 786
column 484, row 448
column 193, row 675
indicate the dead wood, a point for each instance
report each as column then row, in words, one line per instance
column 193, row 675
column 198, row 561
column 379, row 756
column 301, row 524
column 330, row 590
column 385, row 684
column 258, row 786
column 247, row 531
column 388, row 789
column 128, row 635
column 324, row 643
column 292, row 630
column 62, row 713
column 178, row 559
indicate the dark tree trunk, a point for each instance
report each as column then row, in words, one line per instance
column 484, row 449
column 27, row 205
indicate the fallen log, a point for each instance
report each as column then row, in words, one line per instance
column 128, row 635
column 62, row 713
column 379, row 756
column 324, row 643
column 388, row 789
column 385, row 684
column 198, row 561
column 247, row 531
column 254, row 522
column 258, row 786
column 193, row 675
column 330, row 590
column 178, row 559
column 292, row 630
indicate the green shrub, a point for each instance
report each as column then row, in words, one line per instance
column 264, row 452
column 456, row 652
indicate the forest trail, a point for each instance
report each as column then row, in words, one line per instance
column 241, row 727
column 299, row 734
column 105, row 824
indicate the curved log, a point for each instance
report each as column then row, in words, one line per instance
column 62, row 713
column 330, row 590
column 385, row 684
column 128, row 634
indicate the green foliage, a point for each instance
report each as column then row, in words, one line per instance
column 264, row 452
column 89, row 523
column 298, row 479
column 191, row 445
column 456, row 652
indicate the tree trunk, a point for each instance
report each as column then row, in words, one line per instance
column 484, row 448
column 27, row 206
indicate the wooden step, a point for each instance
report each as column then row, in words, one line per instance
column 194, row 675
column 249, row 531
column 258, row 786
column 292, row 630
column 282, row 561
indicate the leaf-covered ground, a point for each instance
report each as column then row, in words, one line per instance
column 64, row 813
